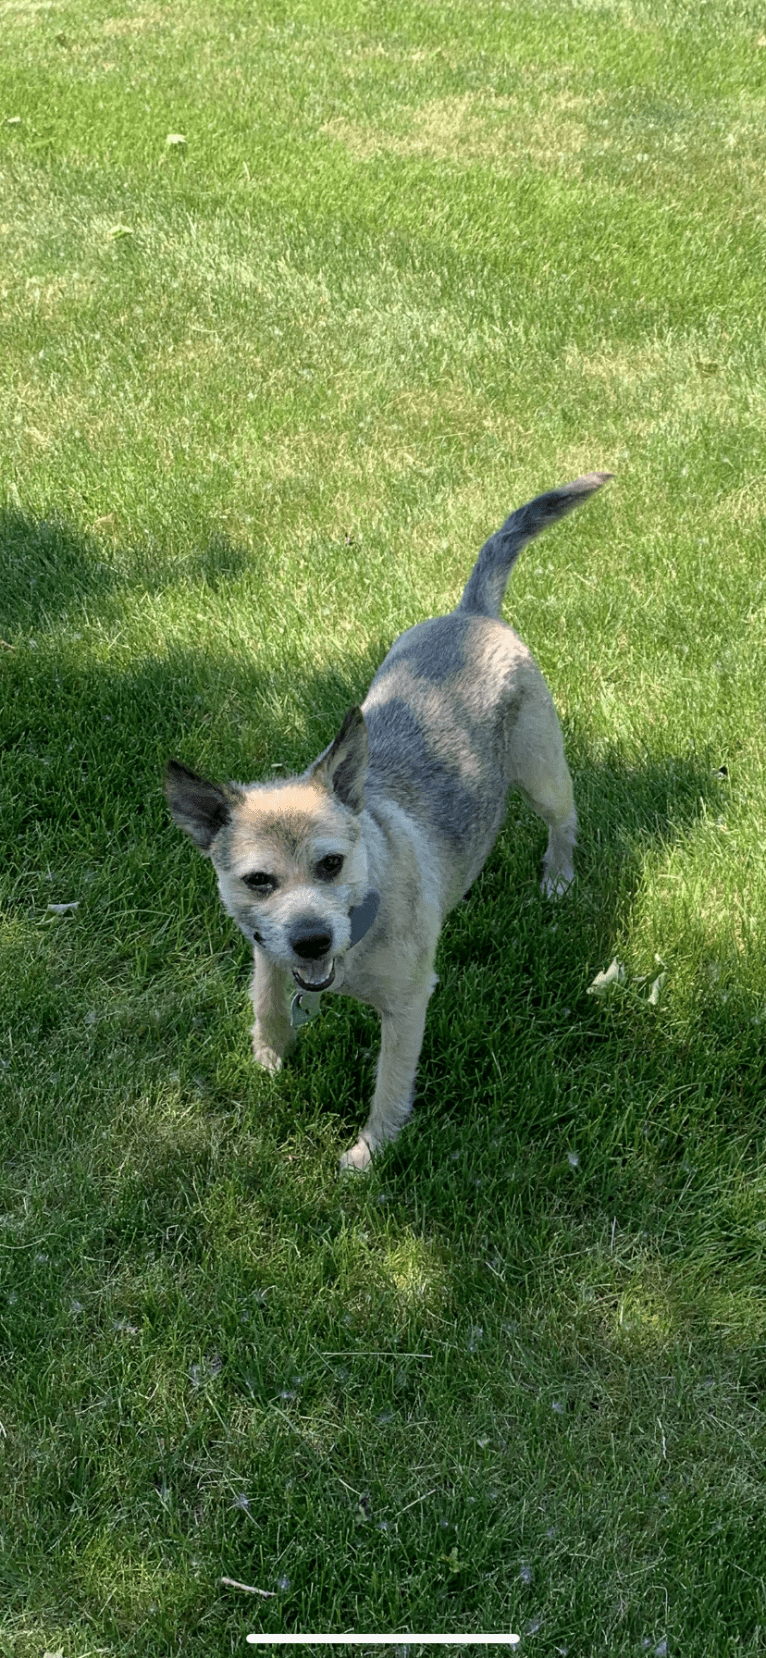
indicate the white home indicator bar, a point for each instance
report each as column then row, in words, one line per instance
column 384, row 1640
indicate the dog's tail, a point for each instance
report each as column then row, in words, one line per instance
column 485, row 588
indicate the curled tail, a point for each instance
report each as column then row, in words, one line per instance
column 484, row 590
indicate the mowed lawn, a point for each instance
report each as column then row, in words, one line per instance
column 297, row 301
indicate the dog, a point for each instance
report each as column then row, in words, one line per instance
column 341, row 877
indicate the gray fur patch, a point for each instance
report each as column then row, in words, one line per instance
column 403, row 767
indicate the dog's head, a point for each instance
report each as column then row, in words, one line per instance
column 290, row 856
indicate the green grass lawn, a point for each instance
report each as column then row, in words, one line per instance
column 264, row 392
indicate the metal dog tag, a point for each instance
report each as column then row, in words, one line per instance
column 303, row 1007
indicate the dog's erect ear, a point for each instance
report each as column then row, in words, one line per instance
column 199, row 807
column 344, row 766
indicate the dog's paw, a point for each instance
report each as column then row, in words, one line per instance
column 266, row 1056
column 554, row 886
column 358, row 1157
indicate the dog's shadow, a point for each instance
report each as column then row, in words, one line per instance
column 523, row 1052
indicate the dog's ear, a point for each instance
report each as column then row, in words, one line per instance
column 199, row 807
column 344, row 766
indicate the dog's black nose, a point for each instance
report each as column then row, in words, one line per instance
column 311, row 940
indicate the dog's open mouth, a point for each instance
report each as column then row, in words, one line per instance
column 315, row 985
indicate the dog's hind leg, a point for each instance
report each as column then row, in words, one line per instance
column 272, row 1034
column 401, row 1042
column 558, row 866
column 540, row 772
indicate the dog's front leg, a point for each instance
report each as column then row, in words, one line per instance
column 272, row 1035
column 400, row 1045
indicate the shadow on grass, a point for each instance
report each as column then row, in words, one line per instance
column 254, row 1321
column 48, row 568
column 86, row 784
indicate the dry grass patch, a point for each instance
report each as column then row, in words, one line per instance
column 671, row 386
column 150, row 17
column 27, row 8
column 477, row 127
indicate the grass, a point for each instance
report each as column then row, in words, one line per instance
column 265, row 392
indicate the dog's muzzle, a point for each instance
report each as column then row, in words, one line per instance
column 312, row 940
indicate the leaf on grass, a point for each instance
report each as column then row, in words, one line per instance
column 615, row 974
column 175, row 140
column 656, row 989
column 249, row 1589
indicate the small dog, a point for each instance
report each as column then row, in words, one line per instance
column 341, row 878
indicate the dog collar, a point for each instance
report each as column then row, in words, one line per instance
column 362, row 915
column 306, row 1004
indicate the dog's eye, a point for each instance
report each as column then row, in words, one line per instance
column 330, row 866
column 258, row 881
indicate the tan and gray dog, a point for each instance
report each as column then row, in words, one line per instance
column 341, row 878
